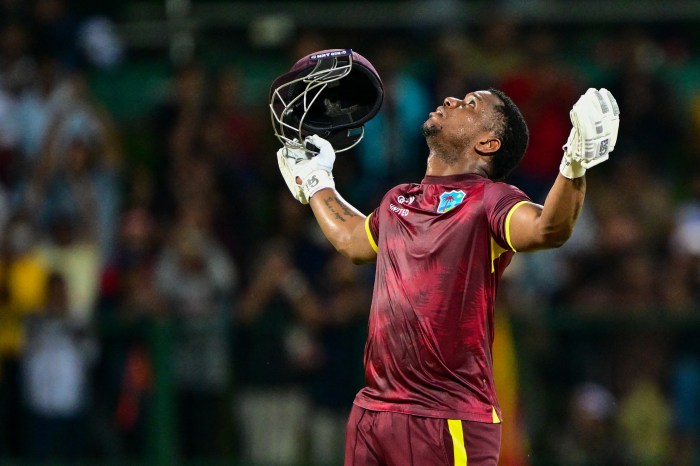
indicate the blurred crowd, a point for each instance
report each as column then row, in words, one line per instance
column 197, row 237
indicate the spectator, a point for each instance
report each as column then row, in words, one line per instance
column 18, row 68
column 75, row 181
column 682, row 282
column 197, row 280
column 644, row 418
column 55, row 369
column 637, row 81
column 129, row 302
column 23, row 281
column 544, row 89
column 499, row 49
column 278, row 311
column 37, row 108
column 454, row 74
column 17, row 71
column 685, row 397
column 230, row 141
column 175, row 125
column 589, row 436
column 339, row 333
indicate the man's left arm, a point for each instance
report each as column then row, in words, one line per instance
column 534, row 227
column 595, row 118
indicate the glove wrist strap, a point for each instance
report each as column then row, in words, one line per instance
column 316, row 181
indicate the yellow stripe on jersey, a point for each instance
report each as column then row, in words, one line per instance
column 460, row 451
column 496, row 251
column 369, row 235
column 494, row 416
column 510, row 214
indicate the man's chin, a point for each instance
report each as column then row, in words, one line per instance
column 430, row 130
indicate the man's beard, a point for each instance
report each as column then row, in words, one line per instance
column 429, row 130
column 436, row 146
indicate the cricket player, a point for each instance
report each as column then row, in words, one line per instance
column 441, row 247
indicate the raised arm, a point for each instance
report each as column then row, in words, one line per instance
column 534, row 227
column 595, row 119
column 343, row 225
column 309, row 179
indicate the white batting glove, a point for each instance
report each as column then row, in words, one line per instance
column 315, row 173
column 286, row 159
column 596, row 119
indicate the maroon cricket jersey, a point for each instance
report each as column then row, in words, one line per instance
column 442, row 246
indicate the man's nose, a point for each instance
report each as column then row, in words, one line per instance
column 452, row 102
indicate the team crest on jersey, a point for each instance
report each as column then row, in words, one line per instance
column 450, row 200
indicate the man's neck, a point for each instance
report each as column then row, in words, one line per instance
column 437, row 166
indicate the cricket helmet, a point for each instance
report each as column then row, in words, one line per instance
column 331, row 93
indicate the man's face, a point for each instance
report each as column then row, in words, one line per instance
column 458, row 121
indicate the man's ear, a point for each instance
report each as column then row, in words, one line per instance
column 488, row 146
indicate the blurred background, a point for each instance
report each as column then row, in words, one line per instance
column 164, row 300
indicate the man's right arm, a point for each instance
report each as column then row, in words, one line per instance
column 310, row 181
column 343, row 226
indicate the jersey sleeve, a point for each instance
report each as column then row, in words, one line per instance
column 500, row 201
column 372, row 229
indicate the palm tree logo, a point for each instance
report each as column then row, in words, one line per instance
column 449, row 200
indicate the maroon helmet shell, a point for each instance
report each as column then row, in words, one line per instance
column 332, row 93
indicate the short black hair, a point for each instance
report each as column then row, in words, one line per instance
column 514, row 135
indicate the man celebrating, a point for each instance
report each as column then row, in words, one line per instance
column 441, row 247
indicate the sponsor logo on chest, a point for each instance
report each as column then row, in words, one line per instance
column 402, row 200
column 398, row 210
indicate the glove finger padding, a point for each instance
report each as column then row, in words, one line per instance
column 284, row 158
column 587, row 114
column 613, row 118
column 326, row 154
column 569, row 167
column 574, row 144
